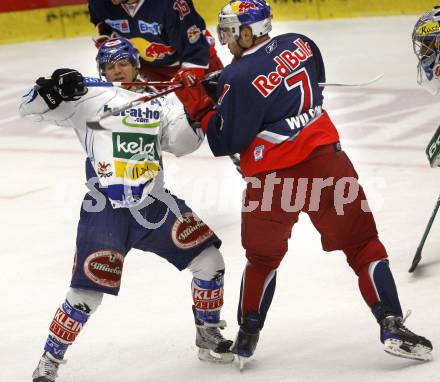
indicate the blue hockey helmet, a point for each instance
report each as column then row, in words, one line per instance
column 254, row 13
column 426, row 44
column 116, row 49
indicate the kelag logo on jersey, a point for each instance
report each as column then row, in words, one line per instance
column 120, row 25
column 152, row 28
column 138, row 154
column 126, row 145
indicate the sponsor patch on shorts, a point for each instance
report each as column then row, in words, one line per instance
column 104, row 268
column 190, row 231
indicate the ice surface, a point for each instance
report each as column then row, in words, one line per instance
column 318, row 328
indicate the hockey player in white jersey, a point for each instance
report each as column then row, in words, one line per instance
column 127, row 206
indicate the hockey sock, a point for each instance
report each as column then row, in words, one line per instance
column 208, row 298
column 256, row 291
column 379, row 290
column 65, row 326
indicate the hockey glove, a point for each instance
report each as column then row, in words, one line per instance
column 64, row 85
column 47, row 90
column 210, row 85
column 105, row 33
column 99, row 40
column 188, row 76
column 195, row 100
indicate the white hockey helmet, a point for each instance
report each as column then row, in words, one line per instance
column 426, row 44
column 254, row 13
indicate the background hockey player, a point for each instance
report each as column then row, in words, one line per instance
column 426, row 43
column 269, row 110
column 170, row 35
column 127, row 206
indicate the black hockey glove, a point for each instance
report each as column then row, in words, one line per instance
column 210, row 85
column 64, row 85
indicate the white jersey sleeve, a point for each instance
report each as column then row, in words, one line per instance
column 34, row 107
column 178, row 137
column 71, row 113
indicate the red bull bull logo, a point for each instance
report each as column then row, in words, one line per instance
column 194, row 34
column 152, row 51
column 158, row 51
column 242, row 6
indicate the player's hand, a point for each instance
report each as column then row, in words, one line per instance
column 70, row 84
column 99, row 40
column 210, row 85
column 102, row 38
column 188, row 76
column 64, row 85
column 195, row 100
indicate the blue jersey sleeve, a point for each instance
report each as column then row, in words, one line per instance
column 94, row 18
column 184, row 29
column 239, row 117
column 319, row 63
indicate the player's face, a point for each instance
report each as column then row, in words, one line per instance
column 231, row 42
column 120, row 71
column 427, row 48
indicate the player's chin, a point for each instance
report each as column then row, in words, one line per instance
column 121, row 79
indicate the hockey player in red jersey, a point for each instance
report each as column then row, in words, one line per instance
column 269, row 110
column 170, row 36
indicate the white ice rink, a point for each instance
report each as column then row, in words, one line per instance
column 318, row 328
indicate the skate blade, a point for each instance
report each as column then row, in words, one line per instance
column 241, row 362
column 211, row 356
column 418, row 353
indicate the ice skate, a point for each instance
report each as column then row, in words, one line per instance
column 213, row 347
column 47, row 369
column 244, row 346
column 401, row 342
column 247, row 339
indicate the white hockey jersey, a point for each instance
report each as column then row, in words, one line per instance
column 127, row 155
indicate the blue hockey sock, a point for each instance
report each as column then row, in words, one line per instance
column 385, row 286
column 65, row 326
column 208, row 298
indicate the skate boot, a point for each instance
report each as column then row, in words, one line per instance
column 213, row 347
column 47, row 369
column 247, row 338
column 401, row 342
